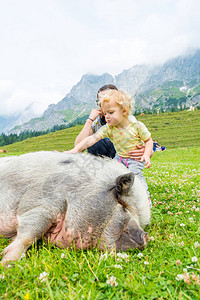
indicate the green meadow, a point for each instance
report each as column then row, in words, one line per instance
column 168, row 268
column 178, row 129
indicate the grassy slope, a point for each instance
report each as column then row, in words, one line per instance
column 174, row 129
column 173, row 183
column 170, row 129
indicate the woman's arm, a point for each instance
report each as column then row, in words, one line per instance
column 86, row 143
column 87, row 129
column 85, row 132
column 138, row 153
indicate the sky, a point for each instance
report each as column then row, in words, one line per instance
column 47, row 45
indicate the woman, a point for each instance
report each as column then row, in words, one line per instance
column 96, row 120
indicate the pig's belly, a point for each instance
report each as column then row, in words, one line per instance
column 71, row 238
column 8, row 225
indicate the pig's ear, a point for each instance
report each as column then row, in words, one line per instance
column 124, row 182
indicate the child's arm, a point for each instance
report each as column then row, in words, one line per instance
column 86, row 143
column 147, row 153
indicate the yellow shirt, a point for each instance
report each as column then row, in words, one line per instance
column 126, row 139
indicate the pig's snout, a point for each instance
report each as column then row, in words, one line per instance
column 139, row 236
column 137, row 239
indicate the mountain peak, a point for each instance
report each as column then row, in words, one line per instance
column 154, row 87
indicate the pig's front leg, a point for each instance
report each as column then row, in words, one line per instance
column 31, row 226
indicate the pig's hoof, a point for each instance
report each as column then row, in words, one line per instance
column 10, row 255
column 6, row 263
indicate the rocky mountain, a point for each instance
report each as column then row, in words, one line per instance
column 11, row 121
column 173, row 85
column 7, row 122
column 76, row 104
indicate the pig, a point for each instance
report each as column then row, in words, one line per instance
column 71, row 200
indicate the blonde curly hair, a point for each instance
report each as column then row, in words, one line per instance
column 119, row 97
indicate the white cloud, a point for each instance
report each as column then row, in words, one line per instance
column 6, row 89
column 14, row 100
column 151, row 31
column 46, row 46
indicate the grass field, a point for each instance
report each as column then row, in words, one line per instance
column 168, row 268
column 172, row 130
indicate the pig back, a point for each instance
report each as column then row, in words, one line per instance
column 23, row 180
column 57, row 179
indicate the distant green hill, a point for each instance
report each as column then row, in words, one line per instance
column 173, row 130
column 176, row 129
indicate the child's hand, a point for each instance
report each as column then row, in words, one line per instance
column 71, row 151
column 146, row 158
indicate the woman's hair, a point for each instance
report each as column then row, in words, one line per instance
column 119, row 97
column 106, row 87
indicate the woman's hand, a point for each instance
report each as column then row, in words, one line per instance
column 137, row 153
column 94, row 113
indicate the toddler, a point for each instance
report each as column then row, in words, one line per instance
column 124, row 132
